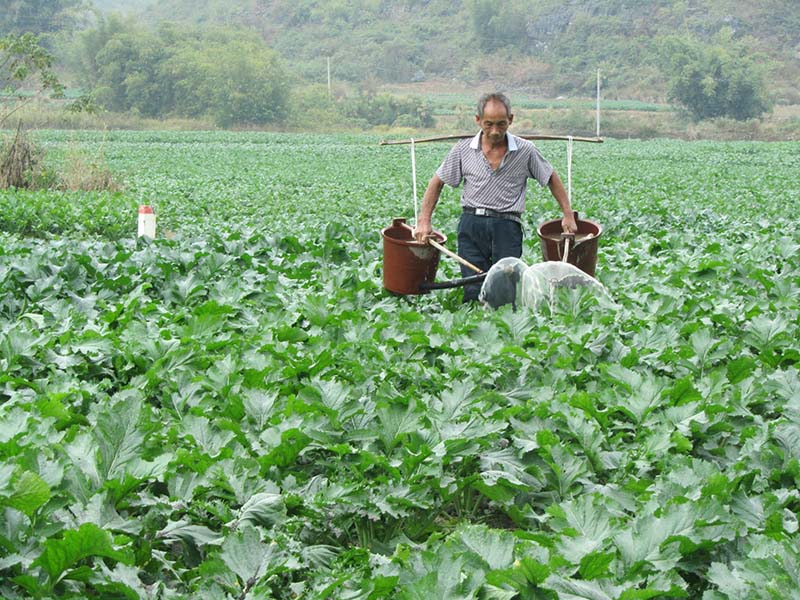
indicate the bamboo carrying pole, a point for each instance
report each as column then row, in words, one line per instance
column 528, row 136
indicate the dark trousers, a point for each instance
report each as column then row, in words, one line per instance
column 483, row 241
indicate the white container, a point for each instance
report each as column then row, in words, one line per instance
column 147, row 221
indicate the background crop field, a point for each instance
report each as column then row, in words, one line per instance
column 241, row 411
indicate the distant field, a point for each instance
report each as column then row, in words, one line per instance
column 242, row 411
column 451, row 104
column 619, row 118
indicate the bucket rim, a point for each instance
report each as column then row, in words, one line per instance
column 437, row 235
column 552, row 222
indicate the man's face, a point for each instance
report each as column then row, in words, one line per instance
column 495, row 121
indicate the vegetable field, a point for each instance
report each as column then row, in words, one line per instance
column 241, row 411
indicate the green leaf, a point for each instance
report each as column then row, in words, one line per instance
column 788, row 434
column 595, row 565
column 184, row 530
column 496, row 593
column 585, row 525
column 706, row 347
column 74, row 546
column 30, row 584
column 259, row 406
column 627, row 377
column 422, row 588
column 681, row 443
column 728, row 581
column 740, row 369
column 649, row 592
column 684, row 392
column 570, row 589
column 263, row 508
column 763, row 332
column 444, row 575
column 496, row 548
column 247, row 556
column 649, row 538
column 119, row 437
column 395, row 420
column 292, row 443
column 13, row 423
column 117, row 590
column 526, row 572
column 28, row 493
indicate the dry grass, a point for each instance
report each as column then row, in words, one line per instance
column 49, row 114
column 20, row 162
column 82, row 171
column 22, row 167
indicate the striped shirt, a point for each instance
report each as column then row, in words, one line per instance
column 502, row 190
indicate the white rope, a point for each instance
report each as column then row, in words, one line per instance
column 569, row 168
column 414, row 179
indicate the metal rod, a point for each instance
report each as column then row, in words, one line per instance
column 594, row 140
column 453, row 283
column 597, row 133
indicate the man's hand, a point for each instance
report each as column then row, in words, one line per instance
column 568, row 224
column 423, row 231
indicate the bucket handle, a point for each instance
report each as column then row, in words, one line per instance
column 567, row 238
column 571, row 241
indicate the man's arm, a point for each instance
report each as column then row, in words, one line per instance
column 559, row 192
column 423, row 227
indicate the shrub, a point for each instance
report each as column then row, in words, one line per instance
column 386, row 109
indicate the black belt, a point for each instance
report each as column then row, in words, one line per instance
column 488, row 212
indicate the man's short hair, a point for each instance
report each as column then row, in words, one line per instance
column 496, row 97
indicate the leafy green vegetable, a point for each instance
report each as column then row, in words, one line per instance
column 242, row 410
column 61, row 555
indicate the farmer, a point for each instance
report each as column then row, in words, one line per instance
column 495, row 167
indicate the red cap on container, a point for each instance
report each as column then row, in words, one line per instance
column 145, row 209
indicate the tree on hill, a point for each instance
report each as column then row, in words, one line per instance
column 509, row 43
column 26, row 69
column 227, row 74
column 722, row 79
column 232, row 76
column 41, row 16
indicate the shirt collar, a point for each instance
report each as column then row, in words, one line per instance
column 476, row 142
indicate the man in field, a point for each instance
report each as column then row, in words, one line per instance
column 495, row 167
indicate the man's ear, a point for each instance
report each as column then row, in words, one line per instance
column 510, row 119
column 478, row 119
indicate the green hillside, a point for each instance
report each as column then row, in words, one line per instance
column 691, row 68
column 547, row 48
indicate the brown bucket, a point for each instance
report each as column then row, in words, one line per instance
column 583, row 252
column 406, row 262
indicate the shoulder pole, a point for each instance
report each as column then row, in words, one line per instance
column 445, row 138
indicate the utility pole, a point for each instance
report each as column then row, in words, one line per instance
column 597, row 132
